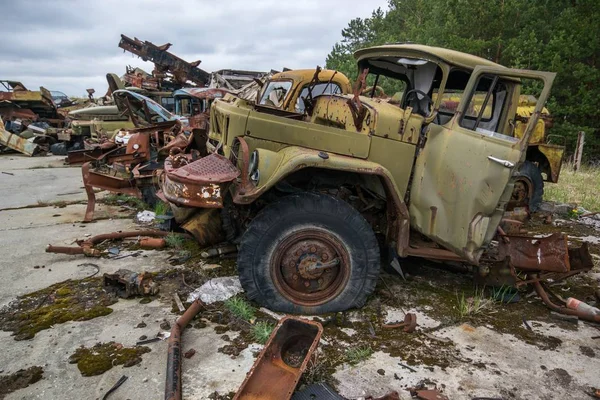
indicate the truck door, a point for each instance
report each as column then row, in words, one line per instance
column 462, row 176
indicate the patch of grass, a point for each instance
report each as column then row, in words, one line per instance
column 581, row 187
column 59, row 204
column 504, row 294
column 355, row 355
column 175, row 240
column 124, row 199
column 472, row 305
column 103, row 356
column 261, row 331
column 161, row 208
column 240, row 308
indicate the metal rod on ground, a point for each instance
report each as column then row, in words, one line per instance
column 173, row 380
column 579, row 150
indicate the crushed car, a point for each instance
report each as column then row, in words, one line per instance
column 316, row 199
column 127, row 163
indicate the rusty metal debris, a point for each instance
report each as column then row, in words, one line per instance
column 173, row 375
column 390, row 396
column 86, row 247
column 409, row 324
column 198, row 183
column 166, row 62
column 18, row 143
column 152, row 243
column 542, row 291
column 125, row 283
column 279, row 366
column 429, row 394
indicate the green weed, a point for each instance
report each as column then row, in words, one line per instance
column 124, row 199
column 474, row 304
column 161, row 208
column 261, row 331
column 240, row 308
column 355, row 355
column 174, row 240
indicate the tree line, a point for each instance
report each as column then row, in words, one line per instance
column 561, row 36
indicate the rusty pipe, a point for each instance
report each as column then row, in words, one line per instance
column 86, row 247
column 539, row 289
column 64, row 249
column 173, row 375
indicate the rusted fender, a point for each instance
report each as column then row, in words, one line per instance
column 280, row 365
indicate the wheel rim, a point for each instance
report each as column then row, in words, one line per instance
column 310, row 267
column 522, row 192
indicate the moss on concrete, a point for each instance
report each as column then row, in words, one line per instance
column 19, row 380
column 103, row 356
column 71, row 300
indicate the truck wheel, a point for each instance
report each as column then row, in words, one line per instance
column 309, row 254
column 529, row 187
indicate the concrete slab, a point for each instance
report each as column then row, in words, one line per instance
column 47, row 182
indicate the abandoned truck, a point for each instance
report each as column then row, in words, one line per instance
column 319, row 200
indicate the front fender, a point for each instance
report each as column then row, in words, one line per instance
column 274, row 166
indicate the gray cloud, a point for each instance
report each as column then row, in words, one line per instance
column 70, row 45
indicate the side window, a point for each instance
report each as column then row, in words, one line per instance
column 487, row 105
column 275, row 93
column 317, row 90
column 168, row 103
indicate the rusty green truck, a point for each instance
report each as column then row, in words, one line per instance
column 317, row 197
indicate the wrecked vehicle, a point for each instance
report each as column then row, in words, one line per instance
column 22, row 106
column 194, row 103
column 315, row 199
column 127, row 164
column 289, row 89
column 22, row 145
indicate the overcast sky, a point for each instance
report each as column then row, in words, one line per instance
column 70, row 45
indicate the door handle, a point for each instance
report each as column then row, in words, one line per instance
column 502, row 162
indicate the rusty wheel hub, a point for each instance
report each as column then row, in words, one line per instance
column 310, row 266
column 522, row 192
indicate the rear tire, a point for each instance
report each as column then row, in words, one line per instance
column 288, row 239
column 529, row 187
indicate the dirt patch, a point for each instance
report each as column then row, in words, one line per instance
column 71, row 300
column 19, row 380
column 103, row 356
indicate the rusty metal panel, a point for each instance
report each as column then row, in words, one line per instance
column 201, row 183
column 537, row 254
column 165, row 61
column 280, row 365
column 17, row 143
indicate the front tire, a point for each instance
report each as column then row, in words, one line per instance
column 309, row 254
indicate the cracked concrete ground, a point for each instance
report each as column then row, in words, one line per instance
column 465, row 357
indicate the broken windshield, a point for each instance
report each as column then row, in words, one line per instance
column 275, row 93
column 141, row 107
column 409, row 81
